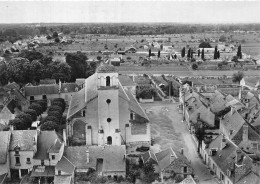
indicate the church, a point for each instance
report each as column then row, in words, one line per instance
column 103, row 113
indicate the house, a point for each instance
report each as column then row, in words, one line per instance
column 103, row 112
column 64, row 172
column 23, row 146
column 130, row 50
column 5, row 116
column 169, row 163
column 252, row 83
column 50, row 148
column 115, row 61
column 4, row 155
column 108, row 160
column 51, row 91
column 229, row 163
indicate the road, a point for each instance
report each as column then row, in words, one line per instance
column 163, row 113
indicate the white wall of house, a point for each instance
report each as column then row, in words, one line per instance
column 23, row 155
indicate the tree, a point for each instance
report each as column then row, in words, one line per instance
column 150, row 52
column 18, row 124
column 26, row 119
column 32, row 113
column 205, row 45
column 60, row 104
column 194, row 66
column 52, row 118
column 216, row 53
column 148, row 170
column 159, row 53
column 189, row 53
column 37, row 70
column 198, row 52
column 43, row 104
column 237, row 77
column 18, row 70
column 55, row 108
column 3, row 73
column 78, row 64
column 55, row 35
column 57, row 114
column 49, row 125
column 183, row 52
column 202, row 54
column 62, row 71
column 222, row 38
column 31, row 55
column 239, row 52
column 37, row 107
column 57, row 40
column 99, row 58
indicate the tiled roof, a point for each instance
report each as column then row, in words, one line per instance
column 46, row 140
column 126, row 80
column 80, row 99
column 106, row 68
column 250, row 178
column 65, row 165
column 149, row 157
column 4, row 145
column 205, row 115
column 24, row 139
column 251, row 81
column 40, row 90
column 164, row 158
column 217, row 102
column 252, row 135
column 60, row 179
column 113, row 157
column 47, row 81
column 233, row 122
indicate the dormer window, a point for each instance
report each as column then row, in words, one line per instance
column 83, row 113
column 107, row 81
column 132, row 116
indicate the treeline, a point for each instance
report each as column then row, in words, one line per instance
column 32, row 66
column 19, row 31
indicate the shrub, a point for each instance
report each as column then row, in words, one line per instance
column 194, row 66
column 37, row 107
column 32, row 113
column 49, row 125
column 43, row 104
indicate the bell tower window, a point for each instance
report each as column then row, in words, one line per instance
column 109, row 140
column 107, row 81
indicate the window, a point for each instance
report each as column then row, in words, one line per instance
column 221, row 176
column 31, row 98
column 185, row 169
column 59, row 172
column 44, row 97
column 83, row 113
column 17, row 161
column 132, row 116
column 28, row 160
column 53, row 157
column 108, row 101
column 42, row 162
column 108, row 120
column 254, row 145
column 16, row 152
column 107, row 81
column 109, row 140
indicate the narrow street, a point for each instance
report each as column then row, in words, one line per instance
column 165, row 112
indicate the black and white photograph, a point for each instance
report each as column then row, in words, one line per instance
column 129, row 92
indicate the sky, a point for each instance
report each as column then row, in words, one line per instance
column 130, row 11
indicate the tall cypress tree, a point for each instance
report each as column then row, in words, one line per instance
column 183, row 52
column 239, row 52
column 216, row 53
column 202, row 54
column 159, row 53
column 191, row 53
column 150, row 52
column 199, row 53
column 188, row 55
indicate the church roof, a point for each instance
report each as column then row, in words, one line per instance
column 105, row 68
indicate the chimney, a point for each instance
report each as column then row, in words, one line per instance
column 182, row 151
column 238, row 157
column 245, row 132
column 87, row 153
column 232, row 111
column 198, row 118
column 223, row 142
column 64, row 137
column 256, row 168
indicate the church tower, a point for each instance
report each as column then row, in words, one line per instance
column 108, row 105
